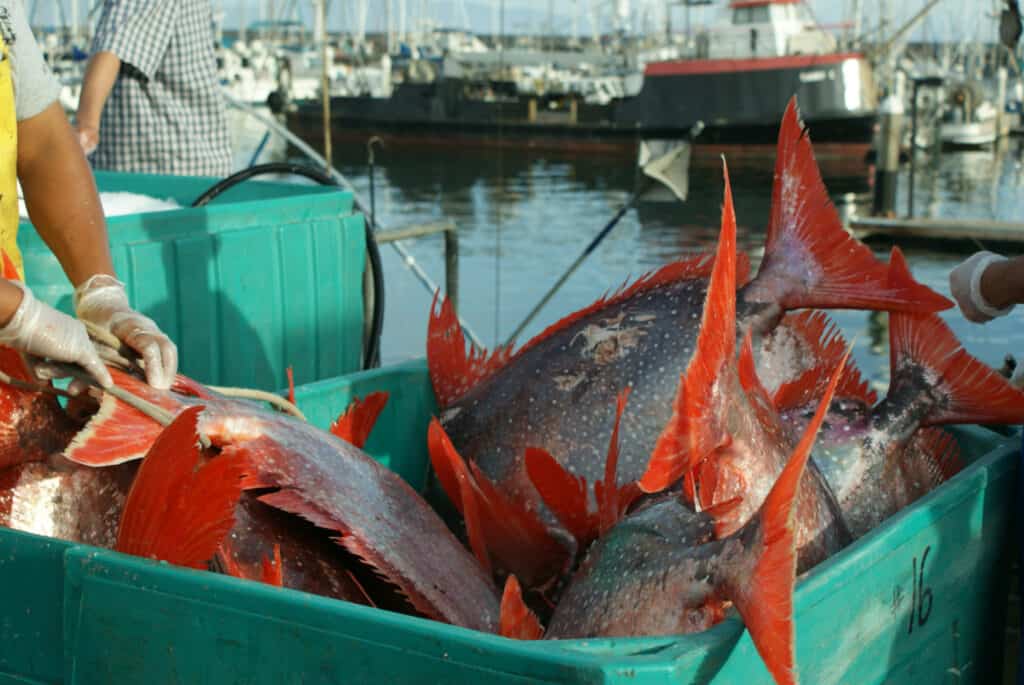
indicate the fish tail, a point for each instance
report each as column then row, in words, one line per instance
column 689, row 436
column 810, row 260
column 177, row 512
column 763, row 591
column 970, row 391
column 517, row 621
column 355, row 425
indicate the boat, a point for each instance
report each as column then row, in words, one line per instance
column 969, row 119
column 736, row 76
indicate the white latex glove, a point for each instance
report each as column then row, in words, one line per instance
column 102, row 301
column 1018, row 377
column 41, row 333
column 965, row 286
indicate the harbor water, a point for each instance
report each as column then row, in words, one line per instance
column 524, row 217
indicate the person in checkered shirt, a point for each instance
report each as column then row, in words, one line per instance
column 151, row 100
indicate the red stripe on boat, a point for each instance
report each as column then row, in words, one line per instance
column 719, row 66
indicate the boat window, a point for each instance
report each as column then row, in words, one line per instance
column 751, row 15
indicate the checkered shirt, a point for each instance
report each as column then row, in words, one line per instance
column 165, row 113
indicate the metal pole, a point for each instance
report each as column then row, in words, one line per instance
column 325, row 82
column 913, row 150
column 451, row 267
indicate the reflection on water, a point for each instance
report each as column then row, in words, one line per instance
column 523, row 219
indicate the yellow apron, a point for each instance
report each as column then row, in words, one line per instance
column 8, row 164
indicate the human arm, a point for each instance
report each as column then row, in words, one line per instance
column 987, row 286
column 100, row 76
column 72, row 224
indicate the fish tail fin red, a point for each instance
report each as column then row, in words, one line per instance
column 502, row 533
column 453, row 371
column 810, row 260
column 765, row 597
column 177, row 512
column 117, row 432
column 517, row 621
column 689, row 435
column 355, row 425
column 924, row 350
column 567, row 495
column 934, row 457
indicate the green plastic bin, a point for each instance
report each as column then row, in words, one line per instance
column 266, row 276
column 917, row 601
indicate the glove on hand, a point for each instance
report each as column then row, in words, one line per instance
column 102, row 301
column 41, row 333
column 965, row 285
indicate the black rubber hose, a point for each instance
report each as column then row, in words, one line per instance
column 371, row 353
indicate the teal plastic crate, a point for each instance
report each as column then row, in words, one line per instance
column 915, row 601
column 266, row 276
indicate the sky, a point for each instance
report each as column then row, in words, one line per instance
column 947, row 21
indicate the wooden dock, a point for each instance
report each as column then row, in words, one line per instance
column 953, row 229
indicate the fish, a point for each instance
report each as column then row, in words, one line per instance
column 296, row 470
column 557, row 392
column 879, row 457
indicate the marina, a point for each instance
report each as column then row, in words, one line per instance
column 412, row 440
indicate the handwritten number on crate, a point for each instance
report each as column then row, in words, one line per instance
column 921, row 602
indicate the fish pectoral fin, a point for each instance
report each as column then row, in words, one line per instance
column 177, row 512
column 517, row 621
column 356, row 424
column 502, row 532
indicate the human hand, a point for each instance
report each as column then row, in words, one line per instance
column 965, row 286
column 42, row 333
column 102, row 301
column 88, row 138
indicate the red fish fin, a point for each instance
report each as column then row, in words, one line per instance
column 291, row 385
column 942, row 451
column 355, row 425
column 823, row 345
column 175, row 512
column 273, row 570
column 563, row 493
column 612, row 500
column 229, row 563
column 515, row 539
column 453, row 372
column 765, row 600
column 752, row 386
column 468, row 503
column 724, row 510
column 118, row 433
column 810, row 260
column 517, row 621
column 689, row 435
column 971, row 392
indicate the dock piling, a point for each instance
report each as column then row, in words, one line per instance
column 888, row 155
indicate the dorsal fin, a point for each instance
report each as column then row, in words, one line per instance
column 178, row 511
column 755, row 391
column 824, row 346
column 689, row 436
column 513, row 536
column 567, row 495
column 453, row 373
column 517, row 621
column 355, row 425
column 971, row 392
column 810, row 260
